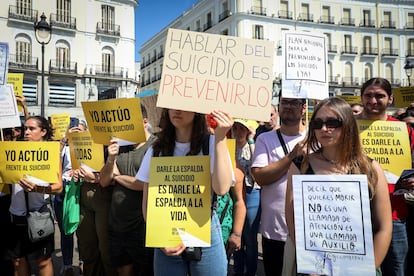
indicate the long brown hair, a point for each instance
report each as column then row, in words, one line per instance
column 165, row 144
column 351, row 154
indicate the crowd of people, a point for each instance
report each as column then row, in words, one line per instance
column 113, row 202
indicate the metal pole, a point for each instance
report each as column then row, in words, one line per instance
column 42, row 103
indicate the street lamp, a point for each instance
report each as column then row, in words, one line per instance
column 43, row 32
column 408, row 67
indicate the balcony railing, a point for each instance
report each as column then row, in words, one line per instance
column 284, row 14
column 388, row 24
column 410, row 53
column 327, row 19
column 224, row 15
column 63, row 21
column 21, row 13
column 207, row 26
column 347, row 21
column 333, row 80
column 349, row 50
column 23, row 62
column 366, row 51
column 368, row 23
column 108, row 29
column 105, row 71
column 332, row 48
column 258, row 10
column 389, row 52
column 67, row 67
column 305, row 17
column 350, row 81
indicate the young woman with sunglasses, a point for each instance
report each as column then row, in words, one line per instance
column 333, row 147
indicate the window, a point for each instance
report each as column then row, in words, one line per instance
column 108, row 61
column 326, row 14
column 62, row 57
column 23, row 49
column 24, row 7
column 198, row 25
column 348, row 43
column 367, row 71
column 258, row 32
column 367, row 45
column 389, row 75
column 410, row 47
column 108, row 18
column 347, row 17
column 63, row 11
column 305, row 12
column 367, row 18
column 410, row 21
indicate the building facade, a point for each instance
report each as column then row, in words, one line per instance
column 365, row 38
column 90, row 55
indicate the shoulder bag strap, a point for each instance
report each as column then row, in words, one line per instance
column 282, row 142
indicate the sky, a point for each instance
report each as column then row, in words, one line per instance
column 151, row 16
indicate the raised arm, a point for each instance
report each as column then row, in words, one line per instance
column 109, row 170
column 222, row 177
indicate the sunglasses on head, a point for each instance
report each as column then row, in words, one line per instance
column 330, row 123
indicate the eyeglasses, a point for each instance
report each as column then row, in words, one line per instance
column 330, row 123
column 292, row 103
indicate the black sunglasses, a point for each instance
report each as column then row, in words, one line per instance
column 330, row 123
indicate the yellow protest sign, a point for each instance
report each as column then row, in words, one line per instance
column 388, row 143
column 350, row 99
column 39, row 161
column 203, row 71
column 16, row 79
column 60, row 123
column 178, row 209
column 231, row 145
column 403, row 96
column 84, row 152
column 120, row 118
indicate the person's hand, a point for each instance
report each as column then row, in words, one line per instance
column 298, row 150
column 27, row 185
column 21, row 100
column 113, row 149
column 87, row 175
column 224, row 123
column 75, row 175
column 408, row 183
column 252, row 133
column 173, row 251
column 233, row 244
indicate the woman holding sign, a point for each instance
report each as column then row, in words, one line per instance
column 36, row 129
column 333, row 147
column 182, row 134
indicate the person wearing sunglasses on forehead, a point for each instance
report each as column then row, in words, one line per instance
column 376, row 97
column 273, row 154
column 333, row 147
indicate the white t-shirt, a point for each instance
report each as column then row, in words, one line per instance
column 267, row 151
column 180, row 149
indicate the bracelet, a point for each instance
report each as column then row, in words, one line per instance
column 235, row 234
column 250, row 141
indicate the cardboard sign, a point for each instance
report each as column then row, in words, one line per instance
column 118, row 118
column 16, row 79
column 386, row 142
column 178, row 209
column 9, row 113
column 333, row 225
column 403, row 96
column 305, row 61
column 350, row 99
column 84, row 152
column 4, row 62
column 39, row 161
column 60, row 123
column 202, row 72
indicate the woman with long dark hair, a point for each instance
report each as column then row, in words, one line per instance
column 183, row 133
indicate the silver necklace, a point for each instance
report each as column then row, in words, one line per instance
column 333, row 162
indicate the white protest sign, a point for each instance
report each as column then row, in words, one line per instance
column 304, row 61
column 333, row 225
column 4, row 62
column 203, row 72
column 9, row 113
